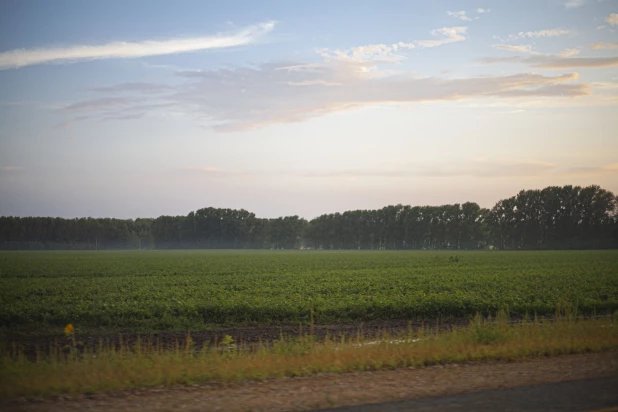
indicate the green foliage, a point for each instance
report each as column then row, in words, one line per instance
column 192, row 290
column 568, row 217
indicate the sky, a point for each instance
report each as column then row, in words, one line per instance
column 148, row 108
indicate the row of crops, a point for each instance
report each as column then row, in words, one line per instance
column 191, row 290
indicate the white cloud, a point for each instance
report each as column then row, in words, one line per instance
column 376, row 53
column 26, row 57
column 479, row 10
column 402, row 45
column 524, row 48
column 556, row 61
column 450, row 35
column 604, row 45
column 568, row 52
column 372, row 52
column 612, row 19
column 461, row 15
column 600, row 27
column 571, row 4
column 243, row 98
column 540, row 33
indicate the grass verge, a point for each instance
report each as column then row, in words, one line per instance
column 70, row 370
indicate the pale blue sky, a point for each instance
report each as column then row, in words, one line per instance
column 143, row 108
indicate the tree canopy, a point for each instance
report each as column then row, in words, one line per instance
column 568, row 217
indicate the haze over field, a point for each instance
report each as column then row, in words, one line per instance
column 144, row 108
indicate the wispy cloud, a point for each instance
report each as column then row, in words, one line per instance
column 216, row 172
column 136, row 87
column 569, row 52
column 11, row 168
column 593, row 170
column 369, row 53
column 524, row 48
column 493, row 60
column 557, row 62
column 375, row 53
column 478, row 168
column 604, row 45
column 480, row 11
column 98, row 104
column 448, row 34
column 563, row 60
column 461, row 15
column 245, row 98
column 128, row 116
column 612, row 19
column 26, row 57
column 540, row 33
column 471, row 168
column 204, row 169
column 571, row 4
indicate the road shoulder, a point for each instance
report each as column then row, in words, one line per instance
column 332, row 390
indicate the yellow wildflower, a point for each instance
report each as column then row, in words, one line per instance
column 68, row 328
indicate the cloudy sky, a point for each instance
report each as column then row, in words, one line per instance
column 143, row 108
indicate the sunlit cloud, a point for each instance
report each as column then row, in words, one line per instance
column 233, row 99
column 569, row 52
column 593, row 170
column 448, row 34
column 471, row 168
column 604, row 45
column 246, row 98
column 372, row 52
column 477, row 168
column 524, row 48
column 26, row 57
column 551, row 62
column 461, row 15
column 539, row 34
column 392, row 53
column 612, row 19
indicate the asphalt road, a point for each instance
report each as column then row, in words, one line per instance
column 599, row 395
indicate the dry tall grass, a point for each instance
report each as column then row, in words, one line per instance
column 144, row 365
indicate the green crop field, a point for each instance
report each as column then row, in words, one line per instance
column 192, row 290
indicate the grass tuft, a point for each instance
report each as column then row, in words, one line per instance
column 77, row 370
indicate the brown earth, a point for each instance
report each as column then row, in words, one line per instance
column 331, row 390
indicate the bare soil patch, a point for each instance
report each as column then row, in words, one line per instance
column 331, row 390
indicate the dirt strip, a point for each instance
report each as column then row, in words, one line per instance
column 331, row 390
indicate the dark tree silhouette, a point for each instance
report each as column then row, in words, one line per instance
column 569, row 217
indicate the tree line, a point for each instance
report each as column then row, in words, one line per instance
column 568, row 217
